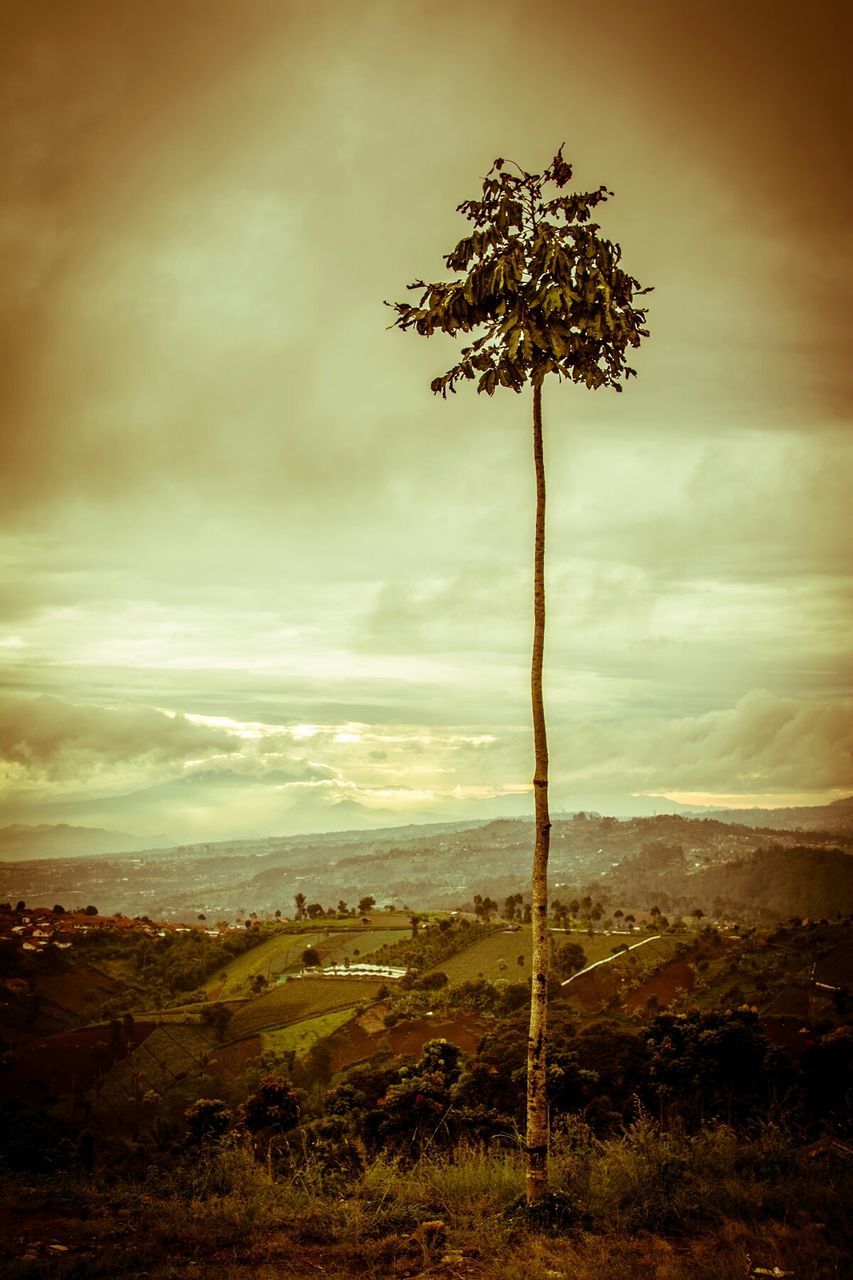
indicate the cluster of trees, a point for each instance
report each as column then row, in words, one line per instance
column 432, row 945
column 174, row 965
column 305, row 910
column 762, row 885
column 416, row 996
column 779, row 882
column 684, row 1070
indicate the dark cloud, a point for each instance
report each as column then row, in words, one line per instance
column 765, row 744
column 49, row 739
column 227, row 487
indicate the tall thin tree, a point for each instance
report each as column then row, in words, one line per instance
column 547, row 293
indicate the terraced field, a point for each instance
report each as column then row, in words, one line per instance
column 70, row 1060
column 298, row 999
column 166, row 1064
column 80, row 991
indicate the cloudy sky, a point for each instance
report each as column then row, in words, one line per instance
column 254, row 578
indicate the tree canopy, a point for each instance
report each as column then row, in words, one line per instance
column 547, row 286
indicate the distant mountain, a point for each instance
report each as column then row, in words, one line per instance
column 219, row 805
column 20, row 842
column 837, row 816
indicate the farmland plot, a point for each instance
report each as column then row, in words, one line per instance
column 166, row 1065
column 359, row 944
column 298, row 999
column 491, row 958
column 269, row 960
column 299, row 1036
column 589, row 990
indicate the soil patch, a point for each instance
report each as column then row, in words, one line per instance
column 408, row 1038
column 352, row 1043
column 68, row 1061
column 228, row 1062
column 664, row 985
column 81, row 991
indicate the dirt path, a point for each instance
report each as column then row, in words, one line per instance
column 609, row 959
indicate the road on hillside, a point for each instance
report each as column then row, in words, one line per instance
column 609, row 959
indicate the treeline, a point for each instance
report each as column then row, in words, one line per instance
column 768, row 884
column 175, row 965
column 803, row 881
column 434, row 944
column 682, row 1070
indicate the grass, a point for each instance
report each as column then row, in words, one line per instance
column 710, row 1206
column 365, row 943
column 301, row 1035
column 497, row 956
column 269, row 959
column 493, row 957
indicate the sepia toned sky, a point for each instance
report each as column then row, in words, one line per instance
column 254, row 578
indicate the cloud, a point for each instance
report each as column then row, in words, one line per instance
column 764, row 744
column 229, row 490
column 47, row 739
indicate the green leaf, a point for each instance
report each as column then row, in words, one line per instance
column 544, row 296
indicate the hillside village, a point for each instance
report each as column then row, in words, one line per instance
column 337, row 1029
column 35, row 929
column 688, row 859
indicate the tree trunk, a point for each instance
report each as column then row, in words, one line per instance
column 536, row 1151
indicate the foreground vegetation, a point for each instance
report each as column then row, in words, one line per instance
column 698, row 1093
column 641, row 1203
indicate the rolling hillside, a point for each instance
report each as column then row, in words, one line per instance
column 444, row 865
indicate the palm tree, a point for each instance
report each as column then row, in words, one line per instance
column 550, row 294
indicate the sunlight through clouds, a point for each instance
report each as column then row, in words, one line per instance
column 254, row 577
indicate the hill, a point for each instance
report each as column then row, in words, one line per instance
column 60, row 840
column 688, row 1068
column 443, row 865
column 834, row 817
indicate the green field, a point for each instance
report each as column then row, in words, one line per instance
column 269, row 959
column 359, row 944
column 650, row 954
column 299, row 999
column 491, row 958
column 301, row 1035
column 601, row 945
column 497, row 956
column 335, row 940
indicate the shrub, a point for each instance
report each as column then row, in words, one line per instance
column 274, row 1106
column 207, row 1119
